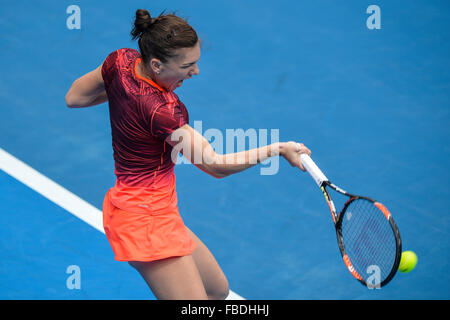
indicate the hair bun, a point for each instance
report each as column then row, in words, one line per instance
column 143, row 15
column 142, row 23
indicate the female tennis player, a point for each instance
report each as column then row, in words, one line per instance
column 148, row 120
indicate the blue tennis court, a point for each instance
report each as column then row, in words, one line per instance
column 373, row 105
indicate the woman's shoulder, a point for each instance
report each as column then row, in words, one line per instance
column 118, row 68
column 121, row 56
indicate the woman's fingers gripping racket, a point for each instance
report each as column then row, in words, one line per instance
column 302, row 149
column 291, row 152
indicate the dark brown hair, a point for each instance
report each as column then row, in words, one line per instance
column 159, row 37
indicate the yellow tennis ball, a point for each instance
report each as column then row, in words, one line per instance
column 408, row 261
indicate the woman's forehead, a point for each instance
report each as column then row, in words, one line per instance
column 188, row 55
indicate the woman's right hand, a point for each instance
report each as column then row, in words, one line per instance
column 291, row 152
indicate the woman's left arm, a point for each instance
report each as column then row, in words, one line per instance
column 89, row 90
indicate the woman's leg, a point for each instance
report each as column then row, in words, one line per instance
column 175, row 278
column 196, row 276
column 214, row 280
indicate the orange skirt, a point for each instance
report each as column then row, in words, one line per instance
column 143, row 225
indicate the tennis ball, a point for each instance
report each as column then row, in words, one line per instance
column 408, row 261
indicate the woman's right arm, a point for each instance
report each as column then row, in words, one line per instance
column 199, row 152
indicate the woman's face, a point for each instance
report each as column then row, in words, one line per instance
column 179, row 68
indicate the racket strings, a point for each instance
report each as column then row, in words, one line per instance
column 368, row 239
column 369, row 249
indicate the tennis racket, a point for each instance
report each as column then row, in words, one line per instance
column 367, row 235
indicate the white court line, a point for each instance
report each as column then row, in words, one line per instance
column 59, row 195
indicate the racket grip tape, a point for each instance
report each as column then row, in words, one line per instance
column 313, row 169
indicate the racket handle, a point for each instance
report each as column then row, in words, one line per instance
column 313, row 169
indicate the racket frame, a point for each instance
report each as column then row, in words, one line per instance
column 323, row 182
